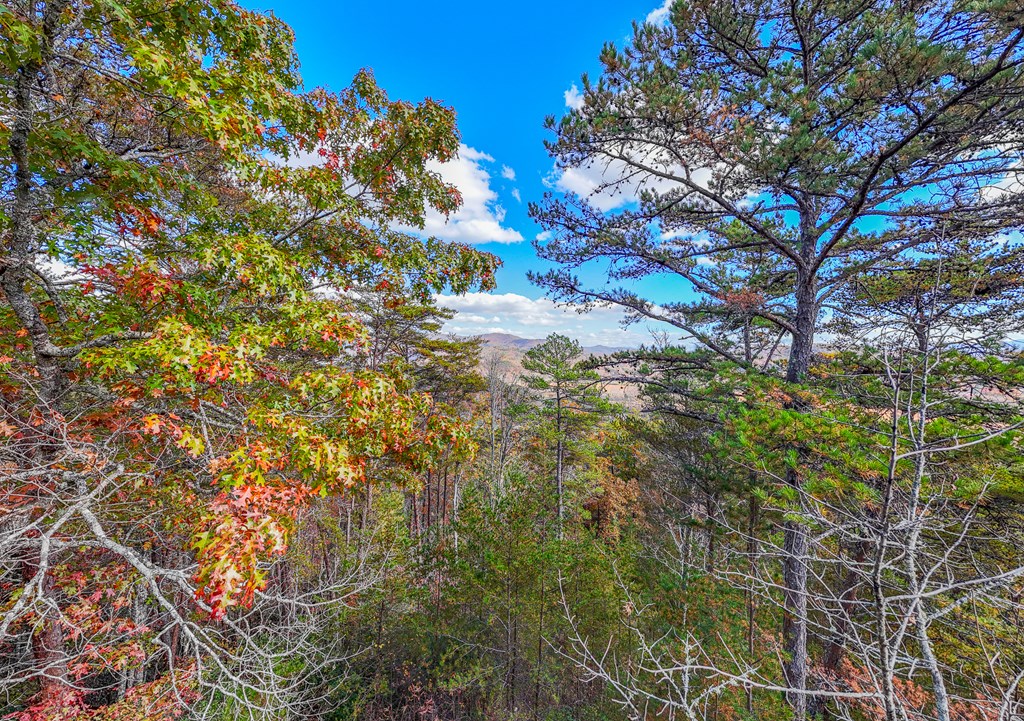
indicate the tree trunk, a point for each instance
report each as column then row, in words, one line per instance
column 794, row 620
column 48, row 639
column 915, row 517
column 426, row 511
column 559, row 450
column 752, row 570
column 795, row 536
column 836, row 648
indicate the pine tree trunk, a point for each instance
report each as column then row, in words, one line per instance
column 540, row 654
column 752, row 570
column 559, row 450
column 795, row 535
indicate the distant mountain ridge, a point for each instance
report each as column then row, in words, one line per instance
column 509, row 351
column 507, row 340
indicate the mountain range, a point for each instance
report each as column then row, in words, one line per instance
column 514, row 342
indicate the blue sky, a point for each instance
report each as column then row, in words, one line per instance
column 503, row 67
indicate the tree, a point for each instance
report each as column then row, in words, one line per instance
column 175, row 333
column 507, row 400
column 570, row 399
column 942, row 387
column 909, row 441
column 767, row 152
column 405, row 339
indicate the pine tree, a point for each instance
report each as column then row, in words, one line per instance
column 764, row 153
column 570, row 400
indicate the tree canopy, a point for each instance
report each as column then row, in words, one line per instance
column 246, row 472
column 182, row 224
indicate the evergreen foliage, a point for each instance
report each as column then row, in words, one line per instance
column 245, row 474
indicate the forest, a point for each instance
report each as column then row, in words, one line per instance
column 246, row 473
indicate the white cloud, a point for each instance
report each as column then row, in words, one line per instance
column 481, row 217
column 573, row 98
column 480, row 313
column 300, row 159
column 586, row 182
column 685, row 239
column 516, row 195
column 589, row 182
column 508, row 173
column 478, row 220
column 659, row 15
column 1010, row 184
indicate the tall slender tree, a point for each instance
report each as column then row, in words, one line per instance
column 570, row 398
column 765, row 152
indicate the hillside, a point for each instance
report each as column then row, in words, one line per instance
column 507, row 340
column 508, row 350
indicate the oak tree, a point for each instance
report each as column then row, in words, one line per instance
column 180, row 224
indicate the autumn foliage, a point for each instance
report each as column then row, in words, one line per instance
column 184, row 236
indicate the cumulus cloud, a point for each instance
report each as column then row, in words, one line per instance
column 573, row 98
column 481, row 313
column 508, row 173
column 659, row 15
column 589, row 182
column 586, row 183
column 481, row 218
column 1010, row 184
